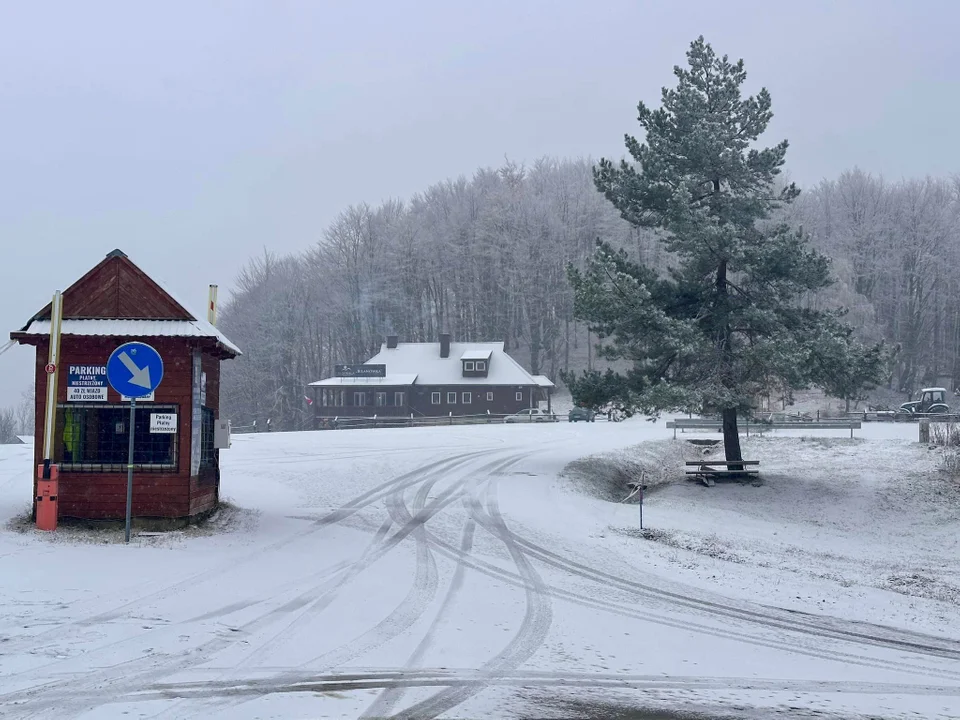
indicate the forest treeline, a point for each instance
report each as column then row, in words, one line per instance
column 485, row 259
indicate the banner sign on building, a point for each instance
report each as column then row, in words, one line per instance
column 361, row 371
column 86, row 383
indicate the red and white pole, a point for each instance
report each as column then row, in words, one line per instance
column 48, row 475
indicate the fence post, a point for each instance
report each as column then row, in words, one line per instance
column 925, row 430
column 451, row 417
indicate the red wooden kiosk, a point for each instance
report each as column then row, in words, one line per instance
column 178, row 432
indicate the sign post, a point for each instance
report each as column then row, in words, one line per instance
column 133, row 370
column 637, row 487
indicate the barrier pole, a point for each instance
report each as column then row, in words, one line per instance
column 50, row 416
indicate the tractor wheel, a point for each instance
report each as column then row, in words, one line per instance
column 939, row 409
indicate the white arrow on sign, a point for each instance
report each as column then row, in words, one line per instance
column 141, row 375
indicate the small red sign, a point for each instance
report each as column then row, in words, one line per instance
column 50, row 368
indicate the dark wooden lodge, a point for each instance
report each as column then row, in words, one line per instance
column 176, row 475
column 432, row 380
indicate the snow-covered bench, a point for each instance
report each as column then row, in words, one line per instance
column 709, row 470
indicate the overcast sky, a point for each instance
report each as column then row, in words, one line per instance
column 193, row 134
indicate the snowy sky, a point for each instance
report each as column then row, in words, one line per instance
column 192, row 134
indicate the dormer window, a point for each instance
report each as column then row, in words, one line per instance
column 475, row 363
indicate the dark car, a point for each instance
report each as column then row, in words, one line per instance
column 581, row 413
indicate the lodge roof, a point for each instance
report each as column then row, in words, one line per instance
column 422, row 364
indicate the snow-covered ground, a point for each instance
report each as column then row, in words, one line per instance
column 459, row 572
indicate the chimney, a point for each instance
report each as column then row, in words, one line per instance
column 392, row 341
column 212, row 306
column 444, row 345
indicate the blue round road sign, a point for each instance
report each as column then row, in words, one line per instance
column 134, row 369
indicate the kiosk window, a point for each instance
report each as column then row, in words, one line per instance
column 208, row 456
column 95, row 438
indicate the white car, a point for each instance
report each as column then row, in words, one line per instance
column 531, row 415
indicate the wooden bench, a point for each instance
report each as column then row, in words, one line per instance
column 705, row 470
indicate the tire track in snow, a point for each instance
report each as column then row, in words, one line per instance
column 57, row 633
column 890, row 637
column 149, row 669
column 388, row 699
column 647, row 615
column 422, row 592
column 533, row 628
column 426, row 580
column 476, row 680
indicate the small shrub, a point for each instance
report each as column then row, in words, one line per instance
column 950, row 461
column 945, row 434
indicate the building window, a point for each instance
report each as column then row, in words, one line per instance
column 467, row 398
column 208, row 455
column 359, row 399
column 451, row 398
column 481, row 366
column 400, row 399
column 435, row 398
column 468, row 365
column 489, row 397
column 519, row 397
column 95, row 438
column 380, row 399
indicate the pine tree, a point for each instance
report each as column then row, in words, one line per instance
column 725, row 322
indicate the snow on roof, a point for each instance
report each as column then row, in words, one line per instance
column 111, row 327
column 476, row 355
column 431, row 369
column 389, row 380
column 543, row 381
column 134, row 328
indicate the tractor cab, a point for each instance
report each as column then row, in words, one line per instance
column 931, row 400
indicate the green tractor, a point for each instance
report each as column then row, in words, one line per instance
column 932, row 401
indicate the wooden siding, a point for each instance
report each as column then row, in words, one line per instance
column 103, row 495
column 116, row 288
column 419, row 401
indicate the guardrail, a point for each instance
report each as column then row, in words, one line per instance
column 346, row 423
column 760, row 428
column 893, row 416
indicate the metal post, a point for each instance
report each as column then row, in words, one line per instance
column 641, row 506
column 133, row 406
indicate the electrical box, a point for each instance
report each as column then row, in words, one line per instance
column 221, row 435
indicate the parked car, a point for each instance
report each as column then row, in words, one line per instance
column 581, row 413
column 531, row 415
